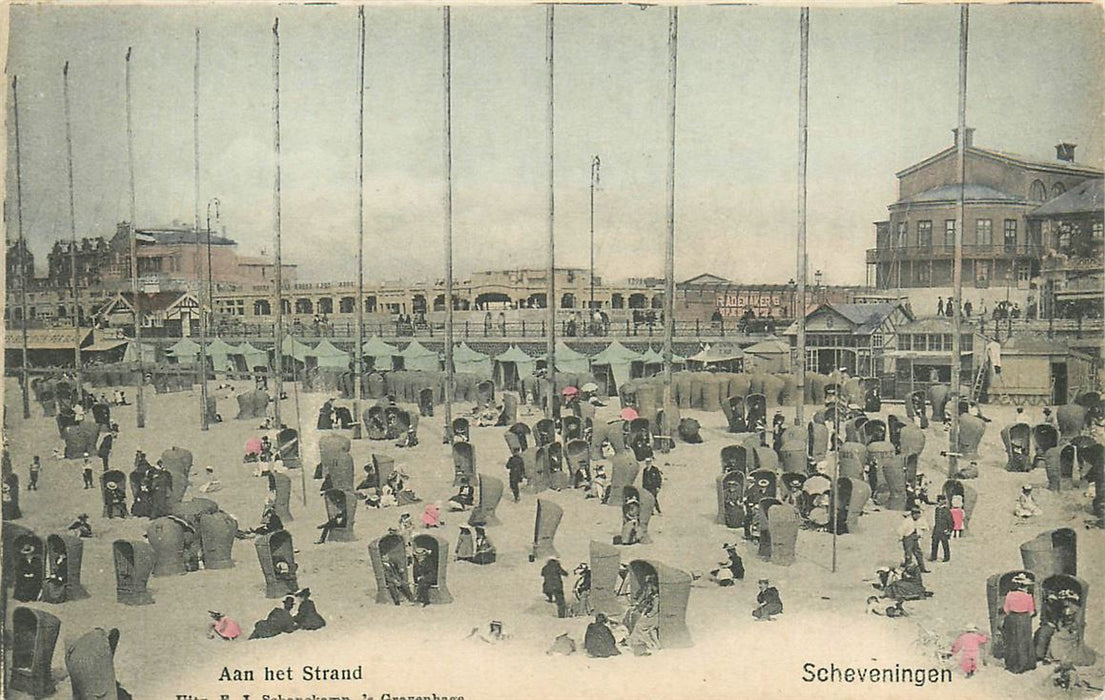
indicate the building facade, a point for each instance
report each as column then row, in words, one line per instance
column 1002, row 253
column 1070, row 228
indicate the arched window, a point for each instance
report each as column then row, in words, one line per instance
column 326, row 305
column 347, row 305
column 261, row 307
column 568, row 301
column 1057, row 189
column 303, row 305
column 617, row 301
column 1037, row 192
column 285, row 306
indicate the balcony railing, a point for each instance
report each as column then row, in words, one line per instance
column 946, row 252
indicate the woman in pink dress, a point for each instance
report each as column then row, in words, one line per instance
column 958, row 517
column 1016, row 628
column 969, row 646
column 223, row 627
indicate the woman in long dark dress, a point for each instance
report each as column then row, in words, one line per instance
column 307, row 617
column 1016, row 630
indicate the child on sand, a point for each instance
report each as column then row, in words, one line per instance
column 958, row 516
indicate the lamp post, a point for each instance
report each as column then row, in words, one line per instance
column 594, row 182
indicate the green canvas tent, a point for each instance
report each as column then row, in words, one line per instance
column 511, row 366
column 329, row 356
column 470, row 361
column 619, row 359
column 417, row 356
column 378, row 354
column 294, row 349
column 770, row 355
column 184, row 351
column 219, row 351
column 252, row 356
column 655, row 357
column 149, row 352
column 569, row 361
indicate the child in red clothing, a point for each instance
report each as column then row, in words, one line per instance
column 968, row 645
column 958, row 516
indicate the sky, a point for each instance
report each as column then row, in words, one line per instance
column 882, row 96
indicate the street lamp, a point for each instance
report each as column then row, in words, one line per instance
column 594, row 183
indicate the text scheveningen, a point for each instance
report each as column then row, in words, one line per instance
column 896, row 674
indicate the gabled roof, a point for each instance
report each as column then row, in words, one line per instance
column 705, row 279
column 247, row 349
column 294, row 349
column 769, row 346
column 185, row 347
column 1057, row 166
column 151, row 302
column 866, row 318
column 971, row 193
column 1085, row 198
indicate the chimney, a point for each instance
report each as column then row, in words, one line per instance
column 970, row 136
column 1065, row 152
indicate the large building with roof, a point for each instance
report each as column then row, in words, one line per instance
column 1002, row 252
column 1071, row 228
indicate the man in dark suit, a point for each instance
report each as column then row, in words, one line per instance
column 941, row 528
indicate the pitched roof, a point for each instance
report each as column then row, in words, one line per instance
column 149, row 302
column 705, row 278
column 867, row 317
column 971, row 193
column 1085, row 198
column 46, row 338
column 416, row 349
column 1053, row 165
column 769, row 346
column 720, row 352
column 180, row 236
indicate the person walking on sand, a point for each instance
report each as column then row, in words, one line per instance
column 552, row 585
column 942, row 527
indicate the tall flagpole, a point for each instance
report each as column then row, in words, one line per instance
column 358, row 353
column 803, row 141
column 960, row 221
column 73, row 233
column 140, row 398
column 278, row 331
column 199, row 250
column 447, row 131
column 669, row 244
column 26, row 387
column 551, row 144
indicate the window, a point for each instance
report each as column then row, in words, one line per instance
column 1057, row 189
column 1097, row 230
column 1035, row 239
column 1024, row 272
column 261, row 308
column 1037, row 192
column 1010, row 238
column 936, row 342
column 811, row 360
column 924, row 234
column 982, row 271
column 1062, row 241
column 984, row 232
column 876, row 340
column 902, row 234
column 921, row 274
column 905, row 342
column 949, row 233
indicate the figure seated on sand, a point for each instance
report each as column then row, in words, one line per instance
column 465, row 497
column 1026, row 505
column 494, row 633
column 270, row 522
column 902, row 583
column 403, row 495
column 600, row 484
column 643, row 619
column 279, row 621
column 222, row 627
column 431, row 516
column 730, row 571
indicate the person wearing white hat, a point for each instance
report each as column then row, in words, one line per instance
column 1026, row 504
column 969, row 647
